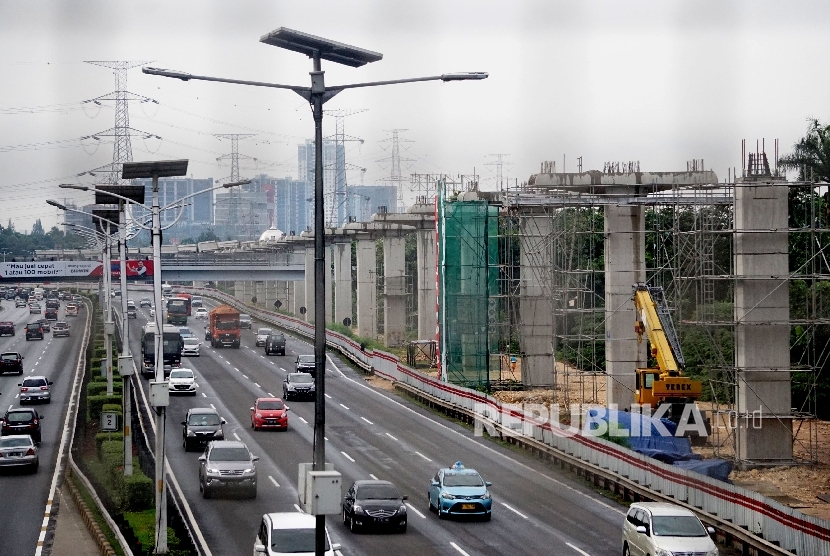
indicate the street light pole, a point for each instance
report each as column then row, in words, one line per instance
column 108, row 324
column 126, row 356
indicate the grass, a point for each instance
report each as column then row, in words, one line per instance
column 97, row 516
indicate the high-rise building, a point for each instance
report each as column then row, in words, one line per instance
column 198, row 210
column 289, row 201
column 362, row 201
column 334, row 180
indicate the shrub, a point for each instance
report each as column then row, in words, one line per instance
column 95, row 404
column 102, row 437
column 111, row 407
column 138, row 492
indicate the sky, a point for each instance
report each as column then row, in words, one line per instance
column 660, row 82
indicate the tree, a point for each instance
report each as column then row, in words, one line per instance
column 811, row 154
column 37, row 229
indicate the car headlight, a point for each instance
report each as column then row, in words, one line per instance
column 291, row 386
column 358, row 509
column 212, row 470
column 259, row 415
column 663, row 552
column 402, row 509
column 191, row 433
column 486, row 496
column 249, row 470
column 713, row 552
column 219, row 434
column 447, row 496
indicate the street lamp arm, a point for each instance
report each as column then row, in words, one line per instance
column 444, row 77
column 302, row 91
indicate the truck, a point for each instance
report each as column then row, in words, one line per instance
column 663, row 383
column 189, row 298
column 223, row 327
column 166, row 290
column 172, row 348
column 177, row 310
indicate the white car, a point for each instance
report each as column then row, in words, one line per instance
column 152, row 311
column 201, row 313
column 182, row 381
column 262, row 335
column 191, row 346
column 289, row 533
column 658, row 529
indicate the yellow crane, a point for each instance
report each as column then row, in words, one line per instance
column 665, row 383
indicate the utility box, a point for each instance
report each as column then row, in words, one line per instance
column 159, row 393
column 323, row 492
column 125, row 365
column 109, row 328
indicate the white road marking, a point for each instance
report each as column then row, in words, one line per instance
column 367, row 420
column 236, row 436
column 578, row 550
column 283, row 370
column 245, row 377
column 296, row 507
column 514, row 510
column 272, row 362
column 270, row 395
column 411, row 507
column 458, row 548
column 423, row 456
column 348, row 457
column 343, row 406
column 301, row 419
column 276, row 484
column 237, row 370
column 372, row 476
column 390, row 436
column 326, row 395
column 258, row 386
column 204, row 395
column 213, row 406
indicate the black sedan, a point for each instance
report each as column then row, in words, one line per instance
column 374, row 504
column 11, row 362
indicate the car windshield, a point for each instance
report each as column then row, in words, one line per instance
column 263, row 331
column 15, row 442
column 229, row 454
column 377, row 492
column 302, row 378
column 677, row 526
column 9, row 357
column 30, row 382
column 34, row 326
column 203, row 419
column 463, row 480
column 191, row 341
column 306, row 359
column 294, row 540
column 19, row 416
column 227, row 325
column 270, row 406
column 181, row 374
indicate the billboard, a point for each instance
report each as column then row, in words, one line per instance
column 44, row 270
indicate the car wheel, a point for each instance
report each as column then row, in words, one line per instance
column 352, row 525
column 36, row 438
column 252, row 493
column 402, row 528
column 185, row 445
column 205, row 491
column 345, row 519
column 488, row 517
column 626, row 551
column 20, row 372
column 431, row 507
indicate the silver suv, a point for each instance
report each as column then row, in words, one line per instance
column 657, row 528
column 35, row 388
column 227, row 465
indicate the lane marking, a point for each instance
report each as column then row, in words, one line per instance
column 258, row 386
column 213, row 406
column 514, row 510
column 372, row 476
column 412, row 508
column 348, row 457
column 296, row 507
column 283, row 370
column 423, row 456
column 326, row 395
column 236, row 436
column 301, row 419
column 458, row 548
column 367, row 420
column 245, row 377
column 204, row 395
column 276, row 484
column 343, row 406
column 578, row 549
column 390, row 436
column 270, row 395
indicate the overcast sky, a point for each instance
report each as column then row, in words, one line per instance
column 659, row 82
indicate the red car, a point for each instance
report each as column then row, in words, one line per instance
column 269, row 413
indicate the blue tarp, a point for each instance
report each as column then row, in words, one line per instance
column 715, row 468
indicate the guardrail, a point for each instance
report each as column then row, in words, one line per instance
column 763, row 525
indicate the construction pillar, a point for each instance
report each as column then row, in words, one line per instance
column 309, row 283
column 625, row 249
column 367, row 301
column 329, row 290
column 297, row 298
column 762, row 330
column 427, row 300
column 394, row 290
column 343, row 305
column 536, row 327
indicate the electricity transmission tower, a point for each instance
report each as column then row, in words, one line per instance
column 336, row 203
column 122, row 148
column 499, row 164
column 395, row 178
column 233, row 195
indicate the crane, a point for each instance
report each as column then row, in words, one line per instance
column 664, row 383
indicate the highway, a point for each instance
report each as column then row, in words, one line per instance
column 375, row 433
column 24, row 495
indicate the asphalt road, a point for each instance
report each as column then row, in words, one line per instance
column 374, row 433
column 24, row 495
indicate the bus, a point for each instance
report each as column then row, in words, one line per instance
column 173, row 345
column 177, row 310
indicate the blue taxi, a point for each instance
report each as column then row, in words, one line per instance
column 457, row 490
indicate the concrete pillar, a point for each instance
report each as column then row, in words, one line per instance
column 367, row 302
column 239, row 290
column 394, row 290
column 329, row 290
column 536, row 327
column 271, row 287
column 309, row 283
column 343, row 306
column 297, row 298
column 762, row 331
column 625, row 248
column 427, row 312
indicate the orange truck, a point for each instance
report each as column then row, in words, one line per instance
column 223, row 327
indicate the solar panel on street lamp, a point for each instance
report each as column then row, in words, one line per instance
column 310, row 45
